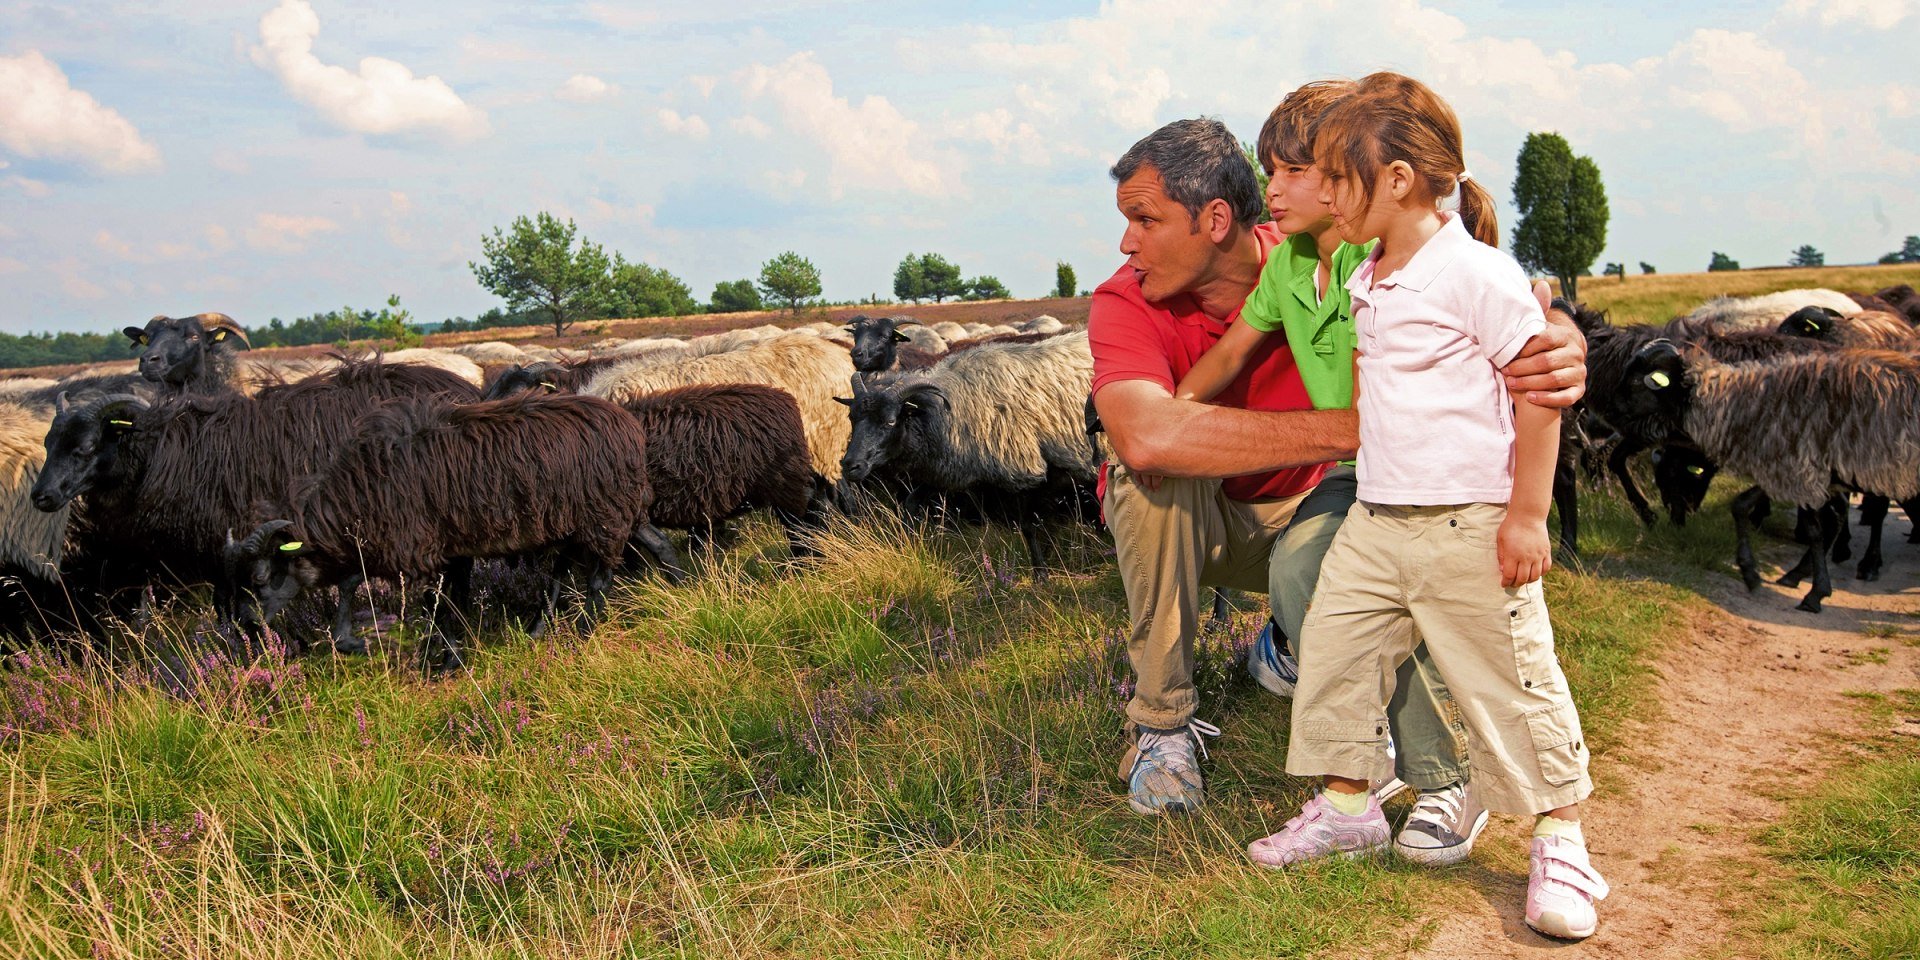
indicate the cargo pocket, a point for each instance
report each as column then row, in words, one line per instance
column 1532, row 636
column 1557, row 742
column 1345, row 731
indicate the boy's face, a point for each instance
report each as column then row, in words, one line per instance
column 1293, row 197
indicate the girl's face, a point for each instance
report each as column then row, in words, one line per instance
column 1293, row 197
column 1357, row 216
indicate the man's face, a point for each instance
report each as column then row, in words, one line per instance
column 1293, row 197
column 1166, row 252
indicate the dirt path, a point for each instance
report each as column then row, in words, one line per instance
column 1747, row 698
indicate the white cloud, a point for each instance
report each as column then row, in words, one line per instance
column 583, row 88
column 872, row 145
column 29, row 186
column 751, row 126
column 42, row 115
column 790, row 179
column 690, row 126
column 1876, row 14
column 69, row 271
column 704, row 84
column 286, row 234
column 218, row 240
column 384, row 97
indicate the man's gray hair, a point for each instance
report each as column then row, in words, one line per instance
column 1199, row 162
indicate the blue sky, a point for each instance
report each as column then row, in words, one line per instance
column 277, row 157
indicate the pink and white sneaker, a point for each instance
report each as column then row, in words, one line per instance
column 1321, row 831
column 1561, row 888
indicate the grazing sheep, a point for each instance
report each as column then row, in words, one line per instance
column 23, row 388
column 1041, row 324
column 460, row 366
column 809, row 368
column 1796, row 425
column 1868, row 329
column 1761, row 312
column 949, row 331
column 715, row 451
column 1903, row 300
column 430, row 485
column 1005, row 423
column 490, row 351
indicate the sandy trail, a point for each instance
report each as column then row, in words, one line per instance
column 1748, row 697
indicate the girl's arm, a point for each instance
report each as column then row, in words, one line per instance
column 1220, row 364
column 1525, row 550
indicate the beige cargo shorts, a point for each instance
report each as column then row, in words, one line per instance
column 1397, row 576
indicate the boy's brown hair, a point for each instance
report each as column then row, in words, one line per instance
column 1389, row 117
column 1287, row 136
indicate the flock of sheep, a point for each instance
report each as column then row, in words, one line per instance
column 267, row 478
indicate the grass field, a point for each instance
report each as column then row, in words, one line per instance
column 904, row 749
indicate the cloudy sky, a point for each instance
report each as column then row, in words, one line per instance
column 277, row 157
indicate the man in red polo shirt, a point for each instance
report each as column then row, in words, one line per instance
column 1234, row 469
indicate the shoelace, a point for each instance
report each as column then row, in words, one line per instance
column 1439, row 808
column 1194, row 731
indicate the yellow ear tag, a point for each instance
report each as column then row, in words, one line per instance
column 1660, row 379
column 1696, row 471
column 120, row 423
column 291, row 545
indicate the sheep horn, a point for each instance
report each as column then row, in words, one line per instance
column 221, row 321
column 110, row 406
column 903, row 321
column 859, row 387
column 60, row 403
column 257, row 540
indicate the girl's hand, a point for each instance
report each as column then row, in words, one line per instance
column 1525, row 550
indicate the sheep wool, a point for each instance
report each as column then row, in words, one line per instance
column 1018, row 412
column 30, row 541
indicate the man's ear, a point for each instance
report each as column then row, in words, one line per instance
column 1217, row 218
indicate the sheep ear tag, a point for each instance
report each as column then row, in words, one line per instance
column 291, row 545
column 217, row 335
column 1696, row 470
column 119, row 423
column 1659, row 380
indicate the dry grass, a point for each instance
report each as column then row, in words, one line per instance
column 1659, row 297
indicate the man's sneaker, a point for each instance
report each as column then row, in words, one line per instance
column 1321, row 831
column 1271, row 665
column 1442, row 827
column 1161, row 771
column 1561, row 888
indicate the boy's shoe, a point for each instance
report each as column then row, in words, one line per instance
column 1442, row 827
column 1561, row 888
column 1162, row 773
column 1321, row 831
column 1271, row 665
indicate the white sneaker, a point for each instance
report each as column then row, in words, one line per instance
column 1561, row 888
column 1442, row 827
column 1272, row 667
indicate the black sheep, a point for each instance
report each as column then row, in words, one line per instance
column 196, row 354
column 430, row 485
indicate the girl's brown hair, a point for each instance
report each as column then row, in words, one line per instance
column 1388, row 117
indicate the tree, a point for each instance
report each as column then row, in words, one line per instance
column 909, row 283
column 942, row 278
column 1064, row 283
column 1260, row 175
column 1909, row 252
column 1807, row 256
column 1645, row 267
column 1722, row 262
column 1563, row 210
column 790, row 279
column 734, row 296
column 986, row 288
column 537, row 267
column 1615, row 270
column 638, row 290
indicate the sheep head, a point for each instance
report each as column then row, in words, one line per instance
column 176, row 348
column 1813, row 323
column 1656, row 390
column 543, row 376
column 83, row 447
column 261, row 574
column 884, row 419
column 874, row 339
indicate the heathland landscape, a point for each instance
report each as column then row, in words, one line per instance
column 904, row 744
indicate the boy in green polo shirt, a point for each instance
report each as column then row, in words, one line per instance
column 1302, row 291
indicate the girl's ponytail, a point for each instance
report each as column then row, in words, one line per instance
column 1477, row 212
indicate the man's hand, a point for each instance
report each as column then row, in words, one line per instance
column 1551, row 370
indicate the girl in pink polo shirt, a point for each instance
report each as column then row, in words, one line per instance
column 1448, row 540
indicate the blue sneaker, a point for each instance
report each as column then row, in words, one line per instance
column 1162, row 773
column 1271, row 665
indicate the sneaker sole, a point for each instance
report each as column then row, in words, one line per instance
column 1554, row 919
column 1178, row 806
column 1446, row 856
column 1373, row 851
column 1270, row 681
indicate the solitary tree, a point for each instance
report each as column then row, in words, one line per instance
column 790, row 279
column 638, row 290
column 908, row 282
column 1615, row 270
column 537, row 267
column 1807, row 256
column 1646, row 267
column 941, row 278
column 1064, row 282
column 733, row 296
column 986, row 288
column 1722, row 262
column 1563, row 210
column 1909, row 252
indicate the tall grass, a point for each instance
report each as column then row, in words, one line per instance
column 1656, row 298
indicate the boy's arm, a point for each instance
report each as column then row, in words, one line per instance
column 1220, row 364
column 1524, row 548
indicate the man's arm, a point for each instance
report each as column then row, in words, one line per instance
column 1551, row 370
column 1154, row 433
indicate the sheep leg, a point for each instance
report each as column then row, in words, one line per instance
column 661, row 550
column 1873, row 516
column 1831, row 521
column 1743, row 508
column 594, row 605
column 1033, row 531
column 1566, row 498
column 1617, row 465
column 444, row 652
column 551, row 602
column 1842, row 540
column 344, row 639
column 1805, row 525
column 1912, row 507
column 1217, row 618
